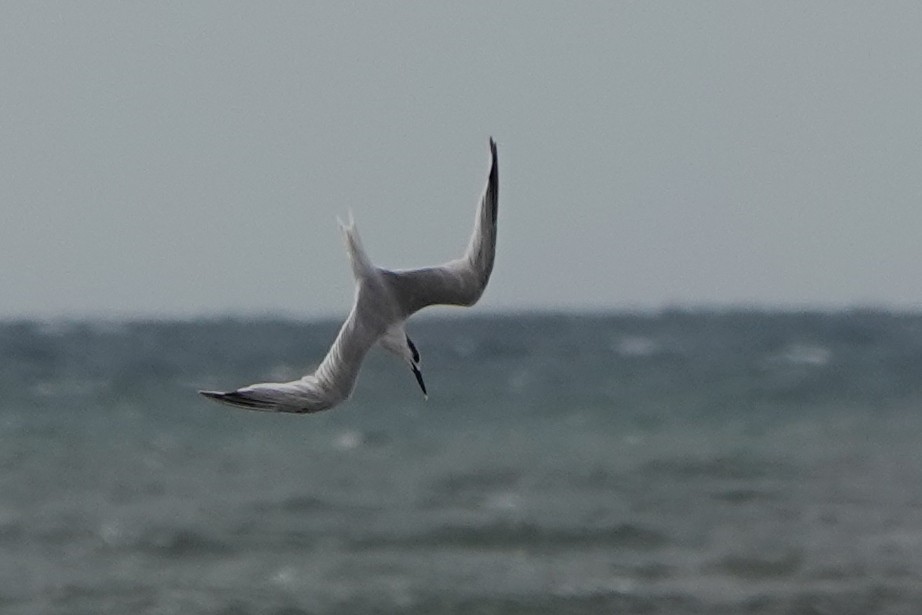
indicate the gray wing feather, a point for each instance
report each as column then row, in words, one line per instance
column 330, row 384
column 461, row 281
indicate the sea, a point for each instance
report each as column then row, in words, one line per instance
column 673, row 461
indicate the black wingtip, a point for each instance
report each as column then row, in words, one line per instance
column 493, row 181
column 235, row 398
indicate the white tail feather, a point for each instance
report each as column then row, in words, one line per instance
column 361, row 264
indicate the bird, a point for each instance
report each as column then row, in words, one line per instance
column 384, row 300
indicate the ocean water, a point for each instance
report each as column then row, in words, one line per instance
column 671, row 462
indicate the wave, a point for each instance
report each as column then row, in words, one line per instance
column 540, row 604
column 529, row 536
column 296, row 504
column 732, row 467
column 462, row 487
column 743, row 496
column 756, row 567
column 167, row 542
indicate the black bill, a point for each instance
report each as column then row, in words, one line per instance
column 419, row 379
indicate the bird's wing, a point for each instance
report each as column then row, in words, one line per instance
column 330, row 384
column 461, row 281
column 340, row 368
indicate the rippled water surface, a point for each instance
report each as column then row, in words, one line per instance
column 668, row 463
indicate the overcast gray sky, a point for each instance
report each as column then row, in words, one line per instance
column 180, row 159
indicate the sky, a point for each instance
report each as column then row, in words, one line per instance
column 174, row 160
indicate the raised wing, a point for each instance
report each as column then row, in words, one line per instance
column 461, row 281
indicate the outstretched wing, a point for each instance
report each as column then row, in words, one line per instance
column 461, row 281
column 330, row 384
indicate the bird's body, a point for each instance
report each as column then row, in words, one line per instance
column 384, row 299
